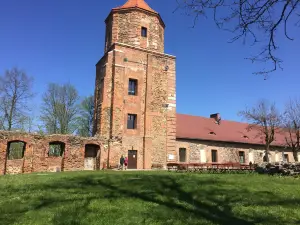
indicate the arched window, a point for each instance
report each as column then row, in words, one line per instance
column 56, row 149
column 16, row 150
column 265, row 158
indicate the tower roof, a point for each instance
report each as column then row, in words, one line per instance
column 136, row 4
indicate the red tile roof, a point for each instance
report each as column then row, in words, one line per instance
column 136, row 4
column 201, row 128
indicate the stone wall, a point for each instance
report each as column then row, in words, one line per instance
column 36, row 158
column 198, row 151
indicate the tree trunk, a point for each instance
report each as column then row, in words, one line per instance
column 295, row 154
column 267, row 152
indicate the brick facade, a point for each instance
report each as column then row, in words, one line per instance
column 37, row 159
column 128, row 55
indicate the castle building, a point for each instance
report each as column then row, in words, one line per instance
column 136, row 102
column 135, row 113
column 135, row 94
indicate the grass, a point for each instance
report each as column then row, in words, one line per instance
column 148, row 198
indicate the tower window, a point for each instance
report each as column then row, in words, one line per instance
column 144, row 32
column 132, row 87
column 131, row 121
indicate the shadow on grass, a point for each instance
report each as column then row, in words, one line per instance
column 174, row 199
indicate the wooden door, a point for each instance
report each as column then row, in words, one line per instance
column 132, row 159
column 90, row 157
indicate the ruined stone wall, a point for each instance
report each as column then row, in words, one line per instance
column 126, row 27
column 227, row 152
column 36, row 158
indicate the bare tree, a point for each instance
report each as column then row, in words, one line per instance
column 266, row 120
column 15, row 92
column 292, row 126
column 260, row 20
column 59, row 109
column 85, row 120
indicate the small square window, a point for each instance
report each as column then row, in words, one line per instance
column 56, row 149
column 132, row 87
column 144, row 32
column 131, row 121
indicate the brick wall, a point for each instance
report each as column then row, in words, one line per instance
column 36, row 158
column 125, row 27
column 154, row 104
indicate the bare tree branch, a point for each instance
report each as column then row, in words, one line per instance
column 59, row 110
column 248, row 19
column 265, row 120
column 291, row 124
column 15, row 92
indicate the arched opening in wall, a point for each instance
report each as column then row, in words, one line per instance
column 56, row 155
column 16, row 150
column 92, row 157
column 265, row 158
column 14, row 162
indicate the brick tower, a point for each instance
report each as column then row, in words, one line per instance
column 135, row 94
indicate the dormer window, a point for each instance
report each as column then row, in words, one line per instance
column 144, row 32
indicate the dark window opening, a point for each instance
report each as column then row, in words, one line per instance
column 182, row 155
column 132, row 87
column 144, row 32
column 265, row 158
column 16, row 150
column 91, row 151
column 286, row 158
column 56, row 149
column 242, row 157
column 131, row 121
column 214, row 155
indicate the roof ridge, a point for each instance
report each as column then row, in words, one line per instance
column 136, row 4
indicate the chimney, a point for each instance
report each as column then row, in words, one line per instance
column 216, row 117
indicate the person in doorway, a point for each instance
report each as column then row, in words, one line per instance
column 126, row 162
column 122, row 160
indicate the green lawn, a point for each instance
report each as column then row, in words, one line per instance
column 148, row 198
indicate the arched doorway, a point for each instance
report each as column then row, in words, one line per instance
column 92, row 157
column 14, row 162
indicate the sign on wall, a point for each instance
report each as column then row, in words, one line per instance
column 171, row 157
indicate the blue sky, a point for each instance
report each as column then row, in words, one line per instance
column 61, row 41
